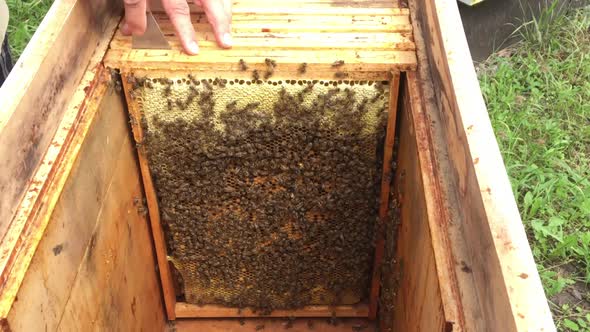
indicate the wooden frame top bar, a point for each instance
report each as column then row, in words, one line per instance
column 375, row 38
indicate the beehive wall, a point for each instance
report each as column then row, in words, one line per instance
column 267, row 189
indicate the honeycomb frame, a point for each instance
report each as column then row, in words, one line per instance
column 295, row 93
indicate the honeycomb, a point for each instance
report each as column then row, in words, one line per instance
column 267, row 189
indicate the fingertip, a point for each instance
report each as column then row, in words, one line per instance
column 133, row 28
column 125, row 29
column 227, row 40
column 192, row 48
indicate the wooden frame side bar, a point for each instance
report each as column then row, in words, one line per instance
column 152, row 203
column 384, row 196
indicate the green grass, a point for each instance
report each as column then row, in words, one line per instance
column 538, row 96
column 25, row 16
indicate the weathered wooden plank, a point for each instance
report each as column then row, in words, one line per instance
column 371, row 39
column 418, row 306
column 30, row 219
column 250, row 6
column 316, row 4
column 457, row 295
column 297, row 23
column 116, row 288
column 225, row 65
column 36, row 93
column 401, row 41
column 97, row 174
column 72, row 211
column 270, row 324
column 489, row 241
column 186, row 310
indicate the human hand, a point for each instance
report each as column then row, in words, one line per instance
column 218, row 14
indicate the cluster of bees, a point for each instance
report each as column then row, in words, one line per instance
column 268, row 205
column 390, row 274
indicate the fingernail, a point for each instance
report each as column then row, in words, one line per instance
column 193, row 47
column 125, row 28
column 227, row 40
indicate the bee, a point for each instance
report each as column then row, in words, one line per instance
column 118, row 86
column 167, row 90
column 349, row 93
column 231, row 106
column 207, row 85
column 131, row 93
column 283, row 92
column 270, row 62
column 250, row 106
column 289, row 323
column 390, row 76
column 340, row 74
column 190, row 99
column 131, row 79
column 192, row 78
column 142, row 211
column 149, row 84
column 141, row 81
column 332, row 92
column 206, row 97
column 259, row 327
column 308, row 88
column 333, row 320
column 243, row 65
column 168, row 81
column 375, row 98
column 170, row 104
column 379, row 86
column 268, row 73
column 255, row 75
column 338, row 63
column 132, row 120
column 180, row 104
column 302, row 68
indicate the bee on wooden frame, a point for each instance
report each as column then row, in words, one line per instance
column 302, row 68
column 340, row 74
column 243, row 65
column 270, row 62
column 167, row 90
column 193, row 79
column 338, row 63
column 207, row 85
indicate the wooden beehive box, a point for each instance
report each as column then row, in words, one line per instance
column 81, row 250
